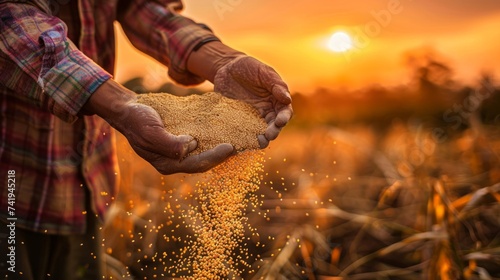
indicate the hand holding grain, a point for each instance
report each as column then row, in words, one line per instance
column 247, row 79
column 145, row 131
column 168, row 153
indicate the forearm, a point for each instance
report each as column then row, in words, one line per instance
column 164, row 34
column 205, row 61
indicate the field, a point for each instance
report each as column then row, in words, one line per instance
column 382, row 188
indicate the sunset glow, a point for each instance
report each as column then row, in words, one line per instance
column 343, row 43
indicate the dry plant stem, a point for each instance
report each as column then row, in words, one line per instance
column 449, row 206
column 419, row 237
column 307, row 259
column 388, row 272
column 364, row 219
column 361, row 233
column 474, row 199
column 284, row 255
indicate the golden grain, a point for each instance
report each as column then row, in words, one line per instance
column 218, row 219
column 210, row 118
column 215, row 249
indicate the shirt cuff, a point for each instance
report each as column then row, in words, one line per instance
column 70, row 83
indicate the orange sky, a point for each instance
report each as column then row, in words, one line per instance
column 291, row 36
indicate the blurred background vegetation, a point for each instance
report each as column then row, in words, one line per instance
column 374, row 183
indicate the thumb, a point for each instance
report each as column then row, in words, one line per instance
column 175, row 146
column 187, row 144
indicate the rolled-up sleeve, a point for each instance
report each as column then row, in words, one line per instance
column 155, row 28
column 60, row 76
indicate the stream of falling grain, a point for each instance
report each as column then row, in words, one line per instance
column 218, row 219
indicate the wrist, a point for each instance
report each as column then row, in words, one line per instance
column 209, row 58
column 110, row 101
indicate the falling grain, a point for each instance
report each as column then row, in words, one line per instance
column 218, row 220
column 217, row 214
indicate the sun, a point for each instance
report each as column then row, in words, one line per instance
column 340, row 42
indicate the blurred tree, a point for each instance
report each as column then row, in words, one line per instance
column 489, row 95
column 429, row 71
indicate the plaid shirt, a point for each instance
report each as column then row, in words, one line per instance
column 52, row 58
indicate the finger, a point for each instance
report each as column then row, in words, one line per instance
column 280, row 92
column 272, row 131
column 206, row 160
column 271, row 116
column 272, row 82
column 284, row 115
column 263, row 142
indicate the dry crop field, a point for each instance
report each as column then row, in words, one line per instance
column 358, row 203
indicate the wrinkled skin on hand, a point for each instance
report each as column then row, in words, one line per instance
column 247, row 79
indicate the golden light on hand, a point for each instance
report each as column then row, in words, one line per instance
column 340, row 42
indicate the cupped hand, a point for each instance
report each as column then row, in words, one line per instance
column 246, row 78
column 168, row 153
column 144, row 130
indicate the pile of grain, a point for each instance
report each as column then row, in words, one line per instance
column 210, row 118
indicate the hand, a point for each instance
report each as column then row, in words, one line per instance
column 144, row 129
column 146, row 134
column 247, row 79
column 242, row 77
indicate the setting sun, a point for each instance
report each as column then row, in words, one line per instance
column 340, row 42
